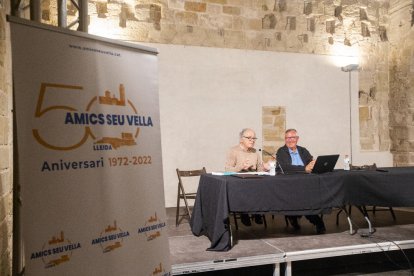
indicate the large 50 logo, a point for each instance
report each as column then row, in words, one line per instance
column 108, row 119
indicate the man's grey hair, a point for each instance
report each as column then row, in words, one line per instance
column 290, row 130
column 241, row 134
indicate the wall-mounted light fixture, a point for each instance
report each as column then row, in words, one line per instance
column 350, row 68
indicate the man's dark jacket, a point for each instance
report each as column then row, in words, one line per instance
column 285, row 161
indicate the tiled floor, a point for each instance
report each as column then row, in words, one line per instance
column 261, row 247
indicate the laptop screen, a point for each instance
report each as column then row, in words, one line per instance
column 325, row 163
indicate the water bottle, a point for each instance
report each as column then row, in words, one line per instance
column 272, row 170
column 346, row 163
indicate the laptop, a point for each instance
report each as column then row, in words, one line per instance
column 325, row 163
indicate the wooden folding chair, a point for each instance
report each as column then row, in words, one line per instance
column 182, row 195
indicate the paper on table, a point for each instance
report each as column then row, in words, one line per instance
column 223, row 173
column 233, row 173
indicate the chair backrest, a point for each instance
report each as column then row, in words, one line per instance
column 182, row 194
column 190, row 173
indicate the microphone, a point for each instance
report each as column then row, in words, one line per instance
column 268, row 153
column 279, row 166
column 274, row 158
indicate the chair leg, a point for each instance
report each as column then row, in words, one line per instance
column 343, row 209
column 286, row 221
column 177, row 214
column 365, row 211
column 392, row 214
column 374, row 208
column 187, row 207
column 337, row 216
column 264, row 221
column 235, row 221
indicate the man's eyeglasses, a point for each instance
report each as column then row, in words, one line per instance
column 291, row 138
column 250, row 138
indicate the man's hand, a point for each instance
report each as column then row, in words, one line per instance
column 246, row 165
column 309, row 167
column 269, row 164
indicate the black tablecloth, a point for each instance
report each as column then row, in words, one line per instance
column 296, row 194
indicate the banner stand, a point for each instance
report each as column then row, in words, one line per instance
column 88, row 183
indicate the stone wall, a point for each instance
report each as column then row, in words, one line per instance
column 273, row 129
column 401, row 73
column 341, row 28
column 6, row 149
column 338, row 28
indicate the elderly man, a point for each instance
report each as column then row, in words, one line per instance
column 291, row 158
column 244, row 158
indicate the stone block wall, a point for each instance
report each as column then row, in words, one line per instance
column 401, row 74
column 337, row 27
column 343, row 28
column 273, row 129
column 6, row 149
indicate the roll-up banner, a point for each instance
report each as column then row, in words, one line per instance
column 89, row 154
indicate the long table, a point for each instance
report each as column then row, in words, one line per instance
column 296, row 194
